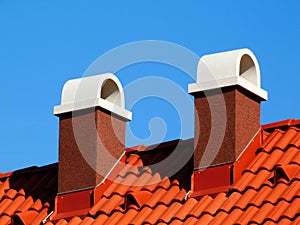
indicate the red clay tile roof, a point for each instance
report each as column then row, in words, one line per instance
column 268, row 192
column 27, row 196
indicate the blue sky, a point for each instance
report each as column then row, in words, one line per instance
column 45, row 43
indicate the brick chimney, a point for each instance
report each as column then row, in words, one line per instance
column 92, row 123
column 227, row 99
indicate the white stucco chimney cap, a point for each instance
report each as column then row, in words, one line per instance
column 238, row 67
column 103, row 90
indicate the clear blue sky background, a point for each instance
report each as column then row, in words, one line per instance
column 45, row 43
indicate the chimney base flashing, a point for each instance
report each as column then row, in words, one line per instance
column 67, row 206
column 212, row 180
column 213, row 165
column 76, row 190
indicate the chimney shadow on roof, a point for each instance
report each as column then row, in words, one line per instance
column 178, row 155
column 37, row 182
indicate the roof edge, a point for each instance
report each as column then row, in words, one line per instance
column 281, row 124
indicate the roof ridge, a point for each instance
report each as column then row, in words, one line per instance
column 281, row 124
column 29, row 170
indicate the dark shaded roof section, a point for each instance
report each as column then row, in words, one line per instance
column 27, row 196
column 172, row 159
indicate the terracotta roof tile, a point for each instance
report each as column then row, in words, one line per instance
column 215, row 204
column 231, row 201
column 87, row 221
column 232, row 216
column 205, row 219
column 62, row 222
column 289, row 155
column 296, row 140
column 254, row 181
column 296, row 159
column 137, row 198
column 114, row 218
column 158, row 194
column 285, row 173
column 10, row 194
column 170, row 212
column 128, row 216
column 141, row 216
column 267, row 195
column 25, row 217
column 292, row 210
column 256, row 164
column 289, row 137
column 272, row 139
column 219, row 218
column 176, row 222
column 190, row 220
column 156, row 214
column 185, row 209
column 25, row 205
column 37, row 205
column 105, row 207
column 245, row 198
column 262, row 213
column 75, row 221
column 247, row 215
column 4, row 204
column 169, row 195
column 5, row 219
column 101, row 219
column 12, row 208
column 292, row 191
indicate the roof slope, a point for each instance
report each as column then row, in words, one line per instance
column 27, row 196
column 268, row 192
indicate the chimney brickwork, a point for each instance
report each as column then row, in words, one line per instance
column 78, row 171
column 92, row 125
column 242, row 123
column 229, row 84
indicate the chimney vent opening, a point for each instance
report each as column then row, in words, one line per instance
column 224, row 69
column 111, row 92
column 103, row 90
column 247, row 69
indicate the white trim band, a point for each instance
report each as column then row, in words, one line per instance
column 92, row 103
column 226, row 82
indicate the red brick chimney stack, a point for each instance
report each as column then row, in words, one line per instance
column 92, row 122
column 227, row 106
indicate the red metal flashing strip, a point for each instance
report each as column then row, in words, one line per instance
column 100, row 190
column 212, row 180
column 5, row 175
column 71, row 204
column 283, row 123
column 247, row 156
column 296, row 123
